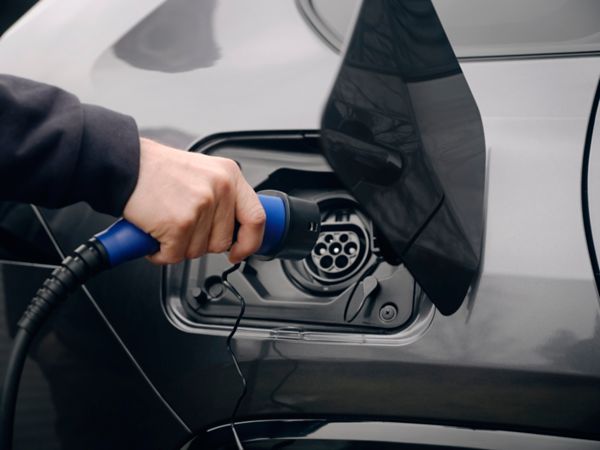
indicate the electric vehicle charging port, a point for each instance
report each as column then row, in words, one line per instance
column 344, row 285
column 338, row 254
column 343, row 250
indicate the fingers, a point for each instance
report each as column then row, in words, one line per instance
column 212, row 204
column 221, row 232
column 198, row 244
column 174, row 244
column 189, row 203
column 251, row 217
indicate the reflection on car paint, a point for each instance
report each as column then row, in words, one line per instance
column 178, row 36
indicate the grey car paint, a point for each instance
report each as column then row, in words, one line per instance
column 521, row 353
column 155, row 44
column 378, row 436
column 485, row 29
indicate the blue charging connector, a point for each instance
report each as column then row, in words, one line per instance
column 291, row 230
column 123, row 241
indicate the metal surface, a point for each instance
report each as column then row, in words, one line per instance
column 323, row 433
column 484, row 29
column 273, row 60
column 79, row 388
column 521, row 353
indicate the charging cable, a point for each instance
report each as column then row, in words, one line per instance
column 86, row 261
column 291, row 230
column 236, row 363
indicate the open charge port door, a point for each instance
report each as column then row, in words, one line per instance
column 403, row 133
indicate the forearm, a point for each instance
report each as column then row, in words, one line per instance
column 56, row 151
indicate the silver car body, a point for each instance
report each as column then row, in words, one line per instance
column 536, row 308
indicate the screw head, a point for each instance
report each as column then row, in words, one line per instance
column 388, row 312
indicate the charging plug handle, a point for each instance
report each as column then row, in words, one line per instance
column 291, row 231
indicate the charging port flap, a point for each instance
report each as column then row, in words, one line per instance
column 403, row 133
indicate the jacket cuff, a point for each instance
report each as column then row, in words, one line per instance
column 109, row 159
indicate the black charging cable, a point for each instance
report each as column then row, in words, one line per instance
column 291, row 230
column 236, row 363
column 85, row 262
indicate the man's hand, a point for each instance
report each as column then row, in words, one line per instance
column 189, row 202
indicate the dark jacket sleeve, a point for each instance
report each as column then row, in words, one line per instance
column 55, row 151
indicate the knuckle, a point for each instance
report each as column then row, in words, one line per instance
column 205, row 200
column 257, row 216
column 155, row 259
column 230, row 166
column 194, row 253
column 219, row 246
column 226, row 185
column 254, row 248
column 222, row 182
column 185, row 222
column 167, row 259
column 173, row 260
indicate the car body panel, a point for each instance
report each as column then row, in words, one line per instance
column 518, row 354
column 471, row 368
column 79, row 388
column 256, row 74
column 485, row 29
column 315, row 434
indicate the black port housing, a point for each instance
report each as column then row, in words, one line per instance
column 344, row 294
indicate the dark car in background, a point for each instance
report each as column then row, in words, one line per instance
column 359, row 345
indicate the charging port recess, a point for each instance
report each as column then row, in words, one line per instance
column 344, row 285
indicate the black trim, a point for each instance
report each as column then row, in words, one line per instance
column 528, row 56
column 585, row 206
column 203, row 145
